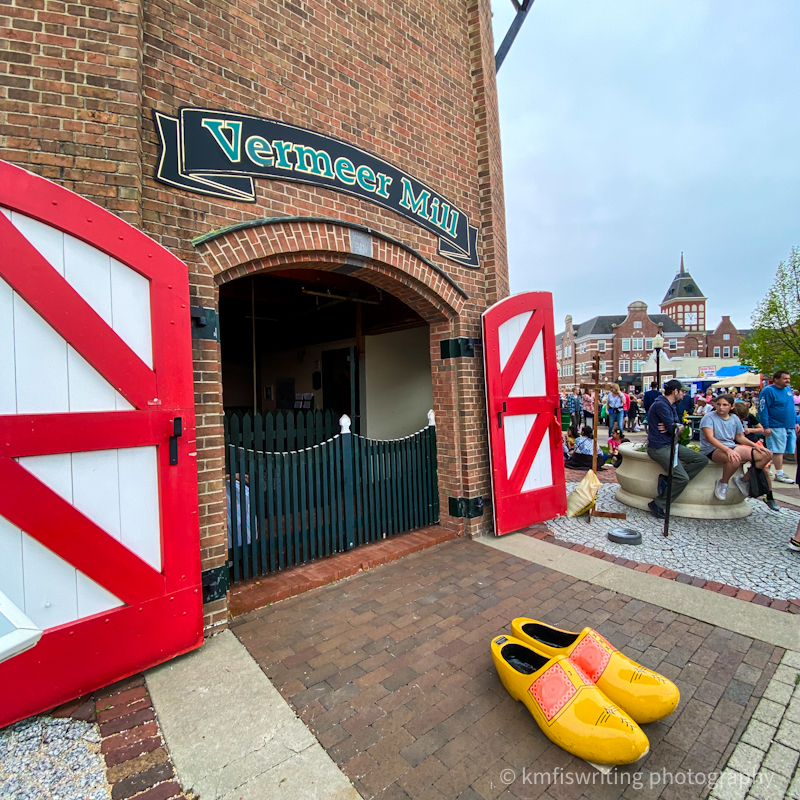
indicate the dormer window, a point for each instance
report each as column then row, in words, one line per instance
column 689, row 288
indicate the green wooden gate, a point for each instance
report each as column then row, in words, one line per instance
column 289, row 508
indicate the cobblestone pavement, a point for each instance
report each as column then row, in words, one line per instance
column 42, row 757
column 750, row 553
column 391, row 670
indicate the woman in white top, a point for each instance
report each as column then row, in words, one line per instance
column 722, row 439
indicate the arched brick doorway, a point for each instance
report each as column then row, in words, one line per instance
column 277, row 245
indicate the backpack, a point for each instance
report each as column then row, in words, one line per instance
column 758, row 480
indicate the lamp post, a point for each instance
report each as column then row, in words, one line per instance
column 658, row 343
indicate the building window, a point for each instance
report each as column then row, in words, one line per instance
column 735, row 351
column 582, row 368
column 638, row 366
column 648, row 344
column 601, row 345
column 637, row 344
column 582, row 347
column 694, row 353
column 558, row 353
column 726, row 352
column 602, row 366
column 726, row 337
column 624, row 367
column 673, row 344
column 716, row 352
column 637, row 323
column 626, row 345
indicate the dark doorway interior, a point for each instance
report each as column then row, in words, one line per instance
column 295, row 339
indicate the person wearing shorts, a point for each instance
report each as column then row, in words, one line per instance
column 777, row 414
column 722, row 440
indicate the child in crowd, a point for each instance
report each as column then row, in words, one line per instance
column 752, row 428
column 617, row 438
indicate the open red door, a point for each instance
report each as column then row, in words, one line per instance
column 99, row 541
column 524, row 413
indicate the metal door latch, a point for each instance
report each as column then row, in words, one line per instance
column 177, row 430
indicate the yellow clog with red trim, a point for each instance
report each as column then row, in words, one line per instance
column 567, row 706
column 642, row 693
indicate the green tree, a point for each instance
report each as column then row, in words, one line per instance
column 775, row 340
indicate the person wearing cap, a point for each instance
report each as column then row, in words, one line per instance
column 663, row 418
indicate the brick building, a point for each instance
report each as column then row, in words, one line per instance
column 625, row 342
column 318, row 255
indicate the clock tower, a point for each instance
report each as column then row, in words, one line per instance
column 685, row 303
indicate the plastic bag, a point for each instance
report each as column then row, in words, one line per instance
column 583, row 497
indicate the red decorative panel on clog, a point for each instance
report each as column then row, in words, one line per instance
column 552, row 691
column 591, row 656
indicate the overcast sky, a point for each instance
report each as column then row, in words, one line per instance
column 636, row 129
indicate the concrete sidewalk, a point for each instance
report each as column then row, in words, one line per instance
column 232, row 736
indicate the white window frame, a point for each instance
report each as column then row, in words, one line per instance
column 648, row 344
column 716, row 352
column 673, row 344
column 624, row 366
column 601, row 346
column 637, row 323
column 726, row 352
column 638, row 365
column 736, row 351
column 626, row 345
column 726, row 337
column 602, row 366
column 694, row 353
column 582, row 347
column 638, row 344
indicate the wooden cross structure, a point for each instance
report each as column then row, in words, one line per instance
column 595, row 386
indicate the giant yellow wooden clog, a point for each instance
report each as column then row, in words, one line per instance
column 642, row 693
column 567, row 706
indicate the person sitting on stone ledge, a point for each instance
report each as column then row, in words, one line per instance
column 722, row 439
column 663, row 419
column 581, row 457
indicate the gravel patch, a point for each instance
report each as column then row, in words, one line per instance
column 58, row 759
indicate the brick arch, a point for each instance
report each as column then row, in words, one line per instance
column 326, row 245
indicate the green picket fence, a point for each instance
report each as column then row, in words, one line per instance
column 295, row 507
column 280, row 431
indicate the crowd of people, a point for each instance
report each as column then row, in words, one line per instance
column 736, row 429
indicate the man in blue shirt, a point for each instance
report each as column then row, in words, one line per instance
column 777, row 414
column 650, row 396
column 662, row 420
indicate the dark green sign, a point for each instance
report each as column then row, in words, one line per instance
column 219, row 153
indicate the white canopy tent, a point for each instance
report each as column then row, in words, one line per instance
column 748, row 380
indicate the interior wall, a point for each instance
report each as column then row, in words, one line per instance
column 298, row 363
column 398, row 388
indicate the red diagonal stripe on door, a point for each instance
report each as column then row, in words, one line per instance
column 537, row 432
column 522, row 349
column 51, row 295
column 46, row 516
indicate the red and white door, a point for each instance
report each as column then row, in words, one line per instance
column 99, row 541
column 524, row 413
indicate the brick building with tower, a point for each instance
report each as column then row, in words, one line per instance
column 625, row 341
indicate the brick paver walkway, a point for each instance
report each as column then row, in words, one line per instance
column 391, row 670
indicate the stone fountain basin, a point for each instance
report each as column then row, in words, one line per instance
column 638, row 478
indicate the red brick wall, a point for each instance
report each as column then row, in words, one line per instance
column 412, row 82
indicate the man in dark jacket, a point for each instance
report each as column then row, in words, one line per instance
column 662, row 420
column 650, row 396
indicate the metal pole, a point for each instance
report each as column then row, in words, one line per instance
column 670, row 472
column 522, row 12
column 658, row 367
